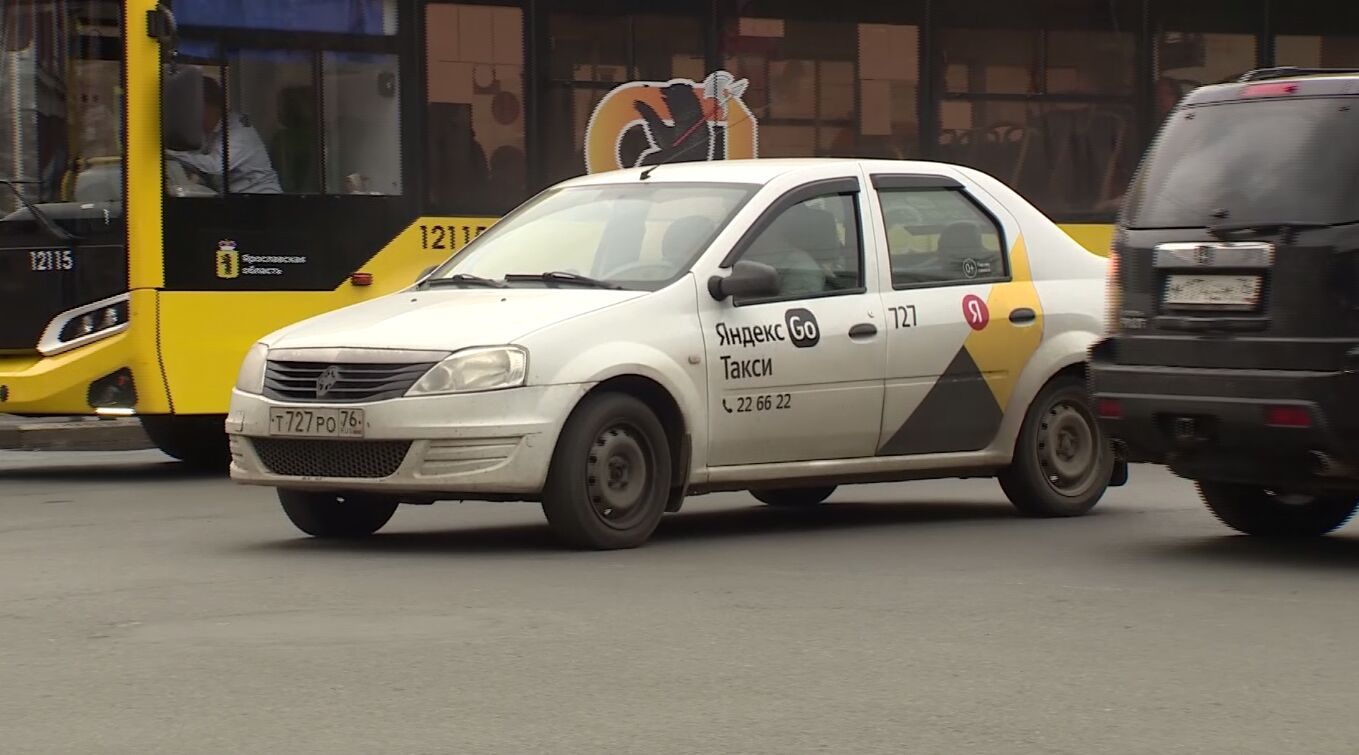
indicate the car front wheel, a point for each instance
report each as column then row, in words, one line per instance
column 336, row 515
column 1062, row 463
column 1256, row 511
column 609, row 482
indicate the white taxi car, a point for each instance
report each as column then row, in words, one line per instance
column 625, row 339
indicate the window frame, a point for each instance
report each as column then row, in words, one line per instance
column 850, row 186
column 921, row 182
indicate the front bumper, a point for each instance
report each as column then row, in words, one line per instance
column 1213, row 423
column 61, row 384
column 485, row 445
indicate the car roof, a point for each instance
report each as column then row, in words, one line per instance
column 752, row 171
column 1303, row 83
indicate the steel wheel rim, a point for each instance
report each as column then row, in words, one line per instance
column 618, row 476
column 1068, row 454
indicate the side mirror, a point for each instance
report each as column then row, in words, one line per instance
column 747, row 279
column 181, row 108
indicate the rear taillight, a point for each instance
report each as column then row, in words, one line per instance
column 1288, row 416
column 1269, row 90
column 1113, row 294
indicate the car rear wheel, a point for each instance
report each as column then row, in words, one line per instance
column 336, row 515
column 1062, row 463
column 609, row 483
column 793, row 497
column 1256, row 511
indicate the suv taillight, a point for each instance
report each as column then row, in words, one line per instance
column 1113, row 293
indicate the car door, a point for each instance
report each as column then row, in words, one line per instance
column 962, row 314
column 798, row 375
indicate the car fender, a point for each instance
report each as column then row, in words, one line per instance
column 1061, row 351
column 656, row 337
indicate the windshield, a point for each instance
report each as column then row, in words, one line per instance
column 60, row 101
column 1279, row 161
column 639, row 236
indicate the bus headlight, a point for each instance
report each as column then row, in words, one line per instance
column 251, row 377
column 489, row 368
column 82, row 325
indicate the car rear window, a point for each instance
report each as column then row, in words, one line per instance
column 1251, row 161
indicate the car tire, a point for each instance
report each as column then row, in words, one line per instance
column 1253, row 510
column 199, row 441
column 336, row 515
column 793, row 497
column 1062, row 462
column 609, row 482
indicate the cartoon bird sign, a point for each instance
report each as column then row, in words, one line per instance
column 652, row 122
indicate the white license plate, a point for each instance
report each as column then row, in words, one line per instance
column 316, row 423
column 1239, row 291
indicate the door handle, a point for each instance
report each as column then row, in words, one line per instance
column 1023, row 316
column 863, row 330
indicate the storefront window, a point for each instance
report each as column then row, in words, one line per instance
column 591, row 54
column 1043, row 100
column 822, row 83
column 1201, row 44
column 1309, row 36
column 1317, row 51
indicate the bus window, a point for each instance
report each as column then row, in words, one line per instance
column 362, row 117
column 333, row 16
column 475, row 117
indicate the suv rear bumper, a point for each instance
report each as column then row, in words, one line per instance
column 1215, row 423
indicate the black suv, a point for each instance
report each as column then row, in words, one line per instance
column 1233, row 354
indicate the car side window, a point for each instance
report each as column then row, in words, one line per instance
column 939, row 236
column 815, row 246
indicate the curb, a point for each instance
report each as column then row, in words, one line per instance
column 76, row 434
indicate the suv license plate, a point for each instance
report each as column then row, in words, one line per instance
column 316, row 423
column 1238, row 291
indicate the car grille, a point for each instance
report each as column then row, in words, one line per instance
column 345, row 383
column 365, row 459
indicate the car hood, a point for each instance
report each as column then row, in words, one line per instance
column 445, row 320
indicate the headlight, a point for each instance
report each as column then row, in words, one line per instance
column 86, row 324
column 251, row 377
column 481, row 369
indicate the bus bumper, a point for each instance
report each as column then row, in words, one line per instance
column 76, row 382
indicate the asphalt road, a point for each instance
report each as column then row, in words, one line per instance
column 143, row 610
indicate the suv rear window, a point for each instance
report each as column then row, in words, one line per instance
column 1257, row 161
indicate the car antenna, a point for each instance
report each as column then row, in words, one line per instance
column 647, row 173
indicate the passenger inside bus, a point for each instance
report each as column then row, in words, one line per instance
column 250, row 171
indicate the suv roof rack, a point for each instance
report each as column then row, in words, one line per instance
column 1286, row 71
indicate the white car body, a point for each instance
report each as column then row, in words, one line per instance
column 926, row 395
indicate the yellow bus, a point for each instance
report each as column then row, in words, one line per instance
column 179, row 178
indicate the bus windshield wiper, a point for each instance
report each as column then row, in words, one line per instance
column 1225, row 229
column 38, row 215
column 462, row 279
column 561, row 276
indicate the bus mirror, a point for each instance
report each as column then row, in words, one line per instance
column 182, row 108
